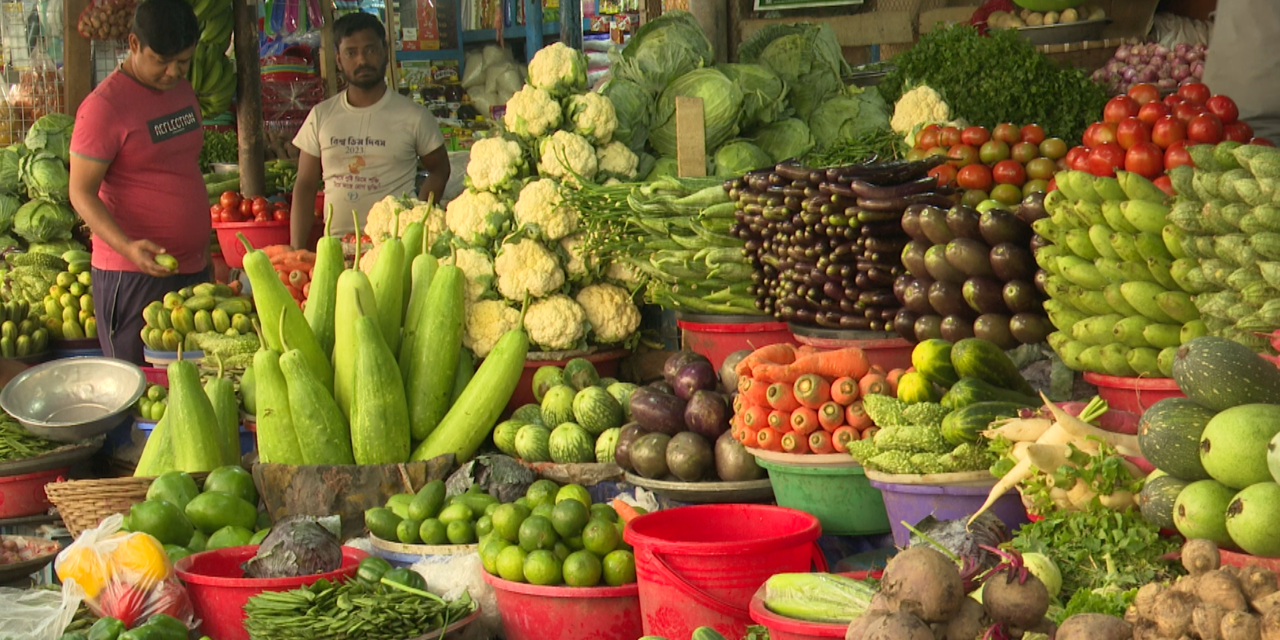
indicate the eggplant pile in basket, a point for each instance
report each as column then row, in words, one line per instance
column 826, row 244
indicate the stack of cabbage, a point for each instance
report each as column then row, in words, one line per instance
column 513, row 234
column 786, row 93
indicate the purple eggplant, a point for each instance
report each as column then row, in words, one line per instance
column 696, row 376
column 661, row 386
column 707, row 414
column 622, row 451
column 657, row 411
column 678, row 361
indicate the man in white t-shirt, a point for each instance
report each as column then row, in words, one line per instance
column 366, row 142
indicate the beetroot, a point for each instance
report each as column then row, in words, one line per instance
column 923, row 582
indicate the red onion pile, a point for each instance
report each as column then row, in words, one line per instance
column 1154, row 63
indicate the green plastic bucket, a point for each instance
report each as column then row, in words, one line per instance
column 840, row 497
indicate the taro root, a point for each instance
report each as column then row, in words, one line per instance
column 857, row 629
column 1013, row 595
column 899, row 626
column 1143, row 630
column 1267, row 604
column 1145, row 600
column 1270, row 626
column 1172, row 613
column 1095, row 626
column 1200, row 556
column 1131, row 615
column 1237, row 625
column 969, row 622
column 1206, row 621
column 881, row 602
column 922, row 582
column 1257, row 582
column 939, row 631
column 1221, row 588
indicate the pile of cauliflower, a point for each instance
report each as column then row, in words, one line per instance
column 512, row 233
column 381, row 225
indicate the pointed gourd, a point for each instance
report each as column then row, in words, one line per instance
column 280, row 315
column 354, row 293
column 196, row 442
column 423, row 270
column 157, row 456
column 387, row 279
column 324, row 436
column 222, row 396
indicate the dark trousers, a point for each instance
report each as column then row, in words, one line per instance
column 118, row 300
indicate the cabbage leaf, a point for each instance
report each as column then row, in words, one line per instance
column 42, row 220
column 785, row 139
column 52, row 133
column 763, row 93
column 739, row 157
column 721, row 107
column 664, row 49
column 633, row 106
column 805, row 56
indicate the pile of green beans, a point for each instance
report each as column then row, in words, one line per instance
column 328, row 611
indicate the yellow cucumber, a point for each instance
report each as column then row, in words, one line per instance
column 324, row 287
column 277, row 439
column 222, row 395
column 280, row 315
column 387, row 279
column 435, row 352
column 354, row 293
column 379, row 412
column 196, row 445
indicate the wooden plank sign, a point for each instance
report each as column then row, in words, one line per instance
column 691, row 138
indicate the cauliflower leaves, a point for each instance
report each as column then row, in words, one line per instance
column 526, row 268
column 567, row 156
column 616, row 161
column 494, row 164
column 611, row 311
column 591, row 116
column 476, row 217
column 487, row 321
column 556, row 323
column 531, row 113
column 540, row 205
column 559, row 70
column 478, row 269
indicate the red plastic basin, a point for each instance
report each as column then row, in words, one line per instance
column 260, row 234
column 606, row 363
column 24, row 495
column 717, row 340
column 219, row 590
column 888, row 353
column 531, row 612
column 1134, row 395
column 784, row 628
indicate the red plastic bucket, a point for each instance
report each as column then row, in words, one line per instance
column 260, row 234
column 23, row 495
column 156, row 375
column 1133, row 394
column 606, row 363
column 887, row 353
column 219, row 590
column 701, row 565
column 716, row 340
column 910, row 503
column 531, row 612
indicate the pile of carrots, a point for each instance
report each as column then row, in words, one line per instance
column 800, row 400
column 294, row 268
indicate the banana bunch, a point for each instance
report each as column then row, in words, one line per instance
column 213, row 76
column 68, row 307
column 21, row 333
column 216, row 22
column 178, row 318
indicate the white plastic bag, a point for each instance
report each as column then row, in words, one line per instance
column 36, row 614
column 449, row 576
column 473, row 69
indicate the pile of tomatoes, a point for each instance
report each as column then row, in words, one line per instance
column 1005, row 164
column 1142, row 133
column 233, row 207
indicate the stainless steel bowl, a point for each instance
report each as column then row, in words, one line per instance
column 71, row 399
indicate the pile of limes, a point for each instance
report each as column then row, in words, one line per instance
column 553, row 536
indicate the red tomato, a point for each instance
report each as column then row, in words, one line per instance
column 229, row 215
column 1009, row 172
column 1144, row 159
column 1172, row 100
column 945, row 173
column 1196, row 92
column 215, row 212
column 962, row 155
column 1077, row 158
column 1205, row 128
column 1223, row 107
column 1032, row 133
column 1168, row 130
column 261, row 217
column 1024, row 152
column 1144, row 93
column 1119, row 108
column 975, row 136
column 1187, row 111
column 949, row 137
column 1099, row 133
column 974, row 176
column 1053, row 185
column 1238, row 131
column 1105, row 159
column 1152, row 111
column 281, row 215
column 1007, row 132
column 1265, row 142
column 1165, row 184
column 246, row 208
column 1131, row 131
column 1176, row 155
column 928, row 138
column 229, row 200
column 260, row 205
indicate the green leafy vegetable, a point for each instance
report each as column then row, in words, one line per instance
column 739, row 157
column 1107, row 600
column 806, row 56
column 10, row 181
column 43, row 220
column 845, row 117
column 45, row 176
column 879, row 143
column 763, row 93
column 52, row 134
column 721, row 105
column 784, row 139
column 633, row 106
column 664, row 49
column 218, row 147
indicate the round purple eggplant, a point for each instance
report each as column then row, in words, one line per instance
column 707, row 414
column 657, row 411
column 696, row 376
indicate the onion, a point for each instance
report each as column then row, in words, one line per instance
column 1114, row 66
column 1181, row 48
column 1180, row 71
column 1148, row 75
column 1197, row 69
column 1122, row 53
column 1137, row 50
column 1129, row 74
column 1189, row 80
column 1193, row 57
column 1160, row 50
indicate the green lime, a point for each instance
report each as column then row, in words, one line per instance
column 489, row 553
column 407, row 531
column 582, row 569
column 542, row 567
column 619, row 568
column 493, row 506
column 569, row 517
column 622, row 543
column 542, row 492
column 536, row 532
column 543, row 510
column 483, row 526
column 575, row 543
column 507, row 520
column 524, row 502
column 574, row 492
column 510, row 564
column 600, row 537
column 461, row 532
column 433, row 531
column 562, row 551
column 604, row 512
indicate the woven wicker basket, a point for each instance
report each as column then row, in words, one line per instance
column 84, row 503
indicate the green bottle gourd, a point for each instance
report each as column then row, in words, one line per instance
column 423, row 269
column 277, row 438
column 197, row 445
column 222, row 396
column 414, row 236
column 379, row 412
column 324, row 287
column 434, row 360
column 387, row 279
column 324, row 435
column 462, row 376
column 354, row 293
column 157, row 455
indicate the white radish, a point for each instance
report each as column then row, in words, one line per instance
column 1123, row 443
column 1020, row 429
column 1081, row 495
column 1019, row 472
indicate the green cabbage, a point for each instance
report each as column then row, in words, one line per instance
column 784, row 139
column 666, row 48
column 52, row 133
column 7, row 241
column 44, row 220
column 665, row 167
column 55, row 247
column 739, row 157
column 45, row 176
column 806, row 56
column 8, row 209
column 633, row 106
column 763, row 93
column 721, row 106
column 10, row 181
column 847, row 116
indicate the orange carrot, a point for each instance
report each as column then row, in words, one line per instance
column 276, row 249
column 806, row 350
column 770, row 373
column 295, row 292
column 739, row 404
column 294, row 265
column 812, row 390
column 830, row 416
column 804, row 420
column 841, row 438
column 298, row 278
column 856, row 416
column 769, row 440
column 235, row 286
column 893, row 377
column 306, row 290
column 851, row 362
column 779, row 421
column 793, row 442
column 284, row 277
column 870, row 433
column 844, row 391
column 755, row 417
column 872, row 383
column 781, row 353
column 626, row 512
column 748, row 437
column 875, row 368
column 754, row 392
column 781, row 398
column 820, row 442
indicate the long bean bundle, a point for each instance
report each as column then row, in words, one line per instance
column 325, row 611
column 16, row 443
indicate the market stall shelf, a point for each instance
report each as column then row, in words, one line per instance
column 60, row 458
column 707, row 492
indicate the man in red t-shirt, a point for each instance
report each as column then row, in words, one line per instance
column 135, row 175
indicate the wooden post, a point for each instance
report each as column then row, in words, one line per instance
column 328, row 67
column 77, row 57
column 691, row 138
column 713, row 17
column 571, row 23
column 393, row 32
column 532, row 28
column 249, row 105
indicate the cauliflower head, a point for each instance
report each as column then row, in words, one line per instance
column 565, row 154
column 625, row 272
column 611, row 311
column 525, row 268
column 381, row 221
column 919, row 106
column 559, row 70
column 556, row 323
column 478, row 269
column 591, row 116
column 617, row 161
column 487, row 321
column 476, row 217
column 495, row 163
column 578, row 263
column 531, row 113
column 540, row 205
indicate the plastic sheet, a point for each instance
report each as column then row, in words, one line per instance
column 36, row 614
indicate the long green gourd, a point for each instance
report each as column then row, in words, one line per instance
column 379, row 413
column 196, row 442
column 324, row 287
column 279, row 314
column 423, row 269
column 462, row 376
column 157, row 455
column 277, row 438
column 472, row 417
column 222, row 396
column 354, row 293
column 387, row 279
column 413, row 239
column 323, row 433
column 434, row 360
